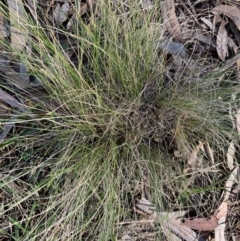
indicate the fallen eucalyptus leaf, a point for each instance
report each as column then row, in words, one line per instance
column 10, row 100
column 167, row 220
column 21, row 81
column 222, row 210
column 146, row 4
column 235, row 31
column 238, row 121
column 230, row 155
column 3, row 29
column 174, row 25
column 233, row 178
column 230, row 11
column 192, row 161
column 172, row 222
column 219, row 231
column 60, row 13
column 6, row 128
column 207, row 22
column 222, row 41
column 232, row 45
column 201, row 224
column 18, row 31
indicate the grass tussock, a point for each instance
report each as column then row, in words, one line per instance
column 107, row 117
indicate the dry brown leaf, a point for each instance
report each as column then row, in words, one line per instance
column 207, row 22
column 235, row 31
column 230, row 155
column 222, row 210
column 162, row 216
column 172, row 222
column 174, row 27
column 146, row 206
column 219, row 231
column 19, row 80
column 3, row 30
column 238, row 71
column 238, row 121
column 13, row 188
column 210, row 152
column 201, row 224
column 165, row 14
column 32, row 3
column 126, row 237
column 238, row 66
column 205, row 39
column 216, row 20
column 229, row 63
column 72, row 21
column 222, row 41
column 229, row 183
column 199, row 35
column 230, row 11
column 192, row 161
column 146, row 4
column 4, row 132
column 82, row 9
column 168, row 220
column 216, row 221
column 182, row 231
column 10, row 100
column 60, row 13
column 18, row 16
column 4, row 110
column 32, row 6
column 232, row 45
column 90, row 3
column 170, row 236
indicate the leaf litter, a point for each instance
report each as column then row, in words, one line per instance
column 193, row 30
